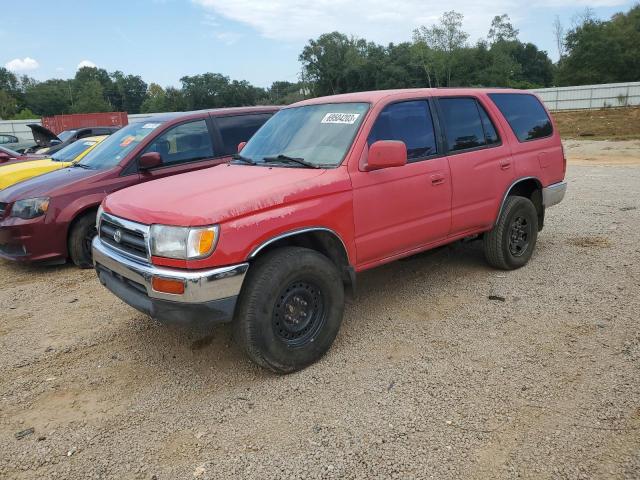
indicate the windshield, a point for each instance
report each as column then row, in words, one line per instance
column 66, row 135
column 71, row 152
column 318, row 134
column 117, row 146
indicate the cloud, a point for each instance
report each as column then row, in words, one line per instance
column 86, row 63
column 376, row 20
column 228, row 38
column 21, row 64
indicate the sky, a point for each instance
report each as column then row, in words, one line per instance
column 254, row 40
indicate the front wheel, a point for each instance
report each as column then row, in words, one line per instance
column 509, row 245
column 82, row 232
column 290, row 309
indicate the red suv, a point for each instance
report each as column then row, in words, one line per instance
column 325, row 189
column 52, row 217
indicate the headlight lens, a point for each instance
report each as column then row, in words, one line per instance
column 183, row 243
column 30, row 207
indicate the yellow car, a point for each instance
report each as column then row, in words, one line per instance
column 20, row 171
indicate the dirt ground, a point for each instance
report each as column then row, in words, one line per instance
column 607, row 123
column 443, row 369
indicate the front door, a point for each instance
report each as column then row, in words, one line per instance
column 401, row 209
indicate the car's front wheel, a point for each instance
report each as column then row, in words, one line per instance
column 290, row 309
column 82, row 232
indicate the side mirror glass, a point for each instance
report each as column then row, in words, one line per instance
column 386, row 154
column 149, row 160
column 53, row 143
column 241, row 146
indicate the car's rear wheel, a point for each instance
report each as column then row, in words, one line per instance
column 82, row 232
column 509, row 245
column 290, row 309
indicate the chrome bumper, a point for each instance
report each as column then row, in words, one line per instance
column 201, row 286
column 553, row 194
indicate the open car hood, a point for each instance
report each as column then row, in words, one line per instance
column 41, row 135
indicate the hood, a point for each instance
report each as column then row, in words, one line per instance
column 46, row 185
column 41, row 135
column 11, row 174
column 217, row 194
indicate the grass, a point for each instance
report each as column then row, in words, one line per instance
column 603, row 124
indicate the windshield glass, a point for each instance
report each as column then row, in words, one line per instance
column 71, row 152
column 117, row 146
column 66, row 135
column 317, row 134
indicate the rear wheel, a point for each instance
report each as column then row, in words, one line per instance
column 509, row 245
column 290, row 309
column 80, row 238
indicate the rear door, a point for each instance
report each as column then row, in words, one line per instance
column 480, row 161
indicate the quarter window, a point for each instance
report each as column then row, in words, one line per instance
column 239, row 128
column 186, row 142
column 525, row 114
column 409, row 122
column 490, row 134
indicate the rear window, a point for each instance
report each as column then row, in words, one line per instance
column 525, row 114
column 238, row 129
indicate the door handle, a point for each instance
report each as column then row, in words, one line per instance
column 505, row 164
column 437, row 179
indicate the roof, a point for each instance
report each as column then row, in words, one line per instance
column 215, row 112
column 95, row 138
column 375, row 96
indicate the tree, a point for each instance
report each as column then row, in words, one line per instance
column 558, row 35
column 444, row 42
column 501, row 30
column 131, row 91
column 24, row 114
column 8, row 105
column 52, row 97
column 90, row 98
column 602, row 51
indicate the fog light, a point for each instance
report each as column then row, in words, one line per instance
column 167, row 285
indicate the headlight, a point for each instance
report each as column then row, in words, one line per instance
column 30, row 207
column 183, row 243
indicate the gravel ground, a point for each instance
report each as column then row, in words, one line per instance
column 444, row 368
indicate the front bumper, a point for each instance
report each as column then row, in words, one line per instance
column 209, row 296
column 553, row 194
column 34, row 240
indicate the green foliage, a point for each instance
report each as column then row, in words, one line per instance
column 602, row 51
column 52, row 97
column 90, row 98
column 8, row 105
column 24, row 114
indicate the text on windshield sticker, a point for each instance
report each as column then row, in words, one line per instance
column 150, row 125
column 344, row 118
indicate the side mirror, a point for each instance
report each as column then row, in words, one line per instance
column 53, row 143
column 149, row 160
column 386, row 154
column 4, row 157
column 241, row 146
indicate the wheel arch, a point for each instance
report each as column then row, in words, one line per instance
column 321, row 239
column 528, row 187
column 78, row 215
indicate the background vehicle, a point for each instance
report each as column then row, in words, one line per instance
column 20, row 171
column 327, row 188
column 14, row 143
column 11, row 156
column 48, row 142
column 52, row 217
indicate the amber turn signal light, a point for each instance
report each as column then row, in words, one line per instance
column 166, row 285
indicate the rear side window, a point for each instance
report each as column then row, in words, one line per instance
column 462, row 123
column 239, row 128
column 409, row 122
column 525, row 114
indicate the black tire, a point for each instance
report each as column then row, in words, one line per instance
column 290, row 309
column 82, row 232
column 509, row 245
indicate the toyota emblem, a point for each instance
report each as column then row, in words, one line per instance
column 117, row 236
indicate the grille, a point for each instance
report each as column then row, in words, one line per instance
column 131, row 241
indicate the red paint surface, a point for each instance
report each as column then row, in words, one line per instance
column 380, row 215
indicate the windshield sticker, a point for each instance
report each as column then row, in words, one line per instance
column 88, row 144
column 151, row 126
column 127, row 140
column 344, row 118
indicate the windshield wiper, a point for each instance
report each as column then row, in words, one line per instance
column 241, row 159
column 86, row 167
column 288, row 159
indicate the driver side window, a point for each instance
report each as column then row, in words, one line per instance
column 187, row 142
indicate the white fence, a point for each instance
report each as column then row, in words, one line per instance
column 591, row 96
